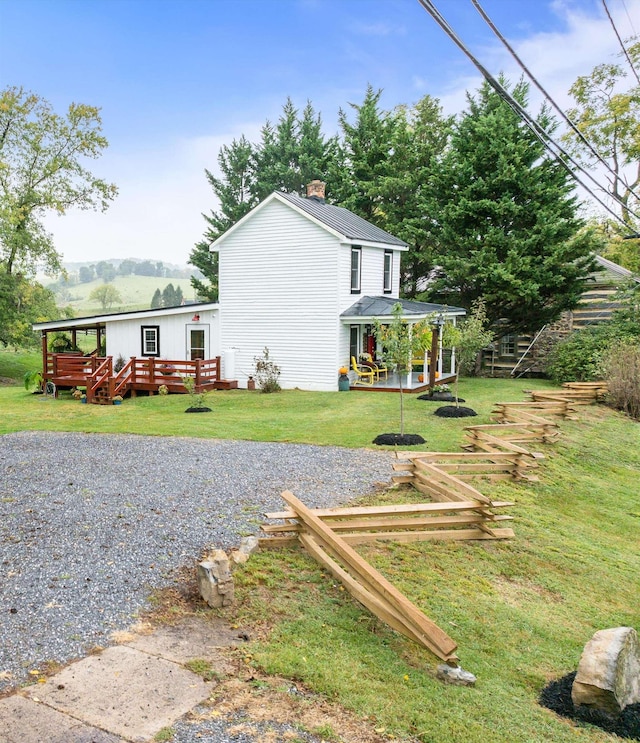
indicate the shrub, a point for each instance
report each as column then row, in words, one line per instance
column 622, row 371
column 579, row 358
column 267, row 374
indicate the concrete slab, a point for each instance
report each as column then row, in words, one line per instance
column 25, row 721
column 189, row 639
column 123, row 691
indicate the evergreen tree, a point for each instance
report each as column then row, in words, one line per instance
column 169, row 296
column 156, row 300
column 364, row 156
column 179, row 296
column 404, row 194
column 507, row 227
column 234, row 191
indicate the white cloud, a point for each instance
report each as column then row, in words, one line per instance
column 158, row 212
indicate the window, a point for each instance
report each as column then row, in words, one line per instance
column 151, row 340
column 354, row 341
column 388, row 271
column 196, row 343
column 508, row 345
column 356, row 260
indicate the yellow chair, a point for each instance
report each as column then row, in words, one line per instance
column 377, row 368
column 364, row 374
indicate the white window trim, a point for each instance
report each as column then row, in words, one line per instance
column 156, row 340
column 387, row 272
column 357, row 283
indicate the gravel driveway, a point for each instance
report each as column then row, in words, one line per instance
column 91, row 523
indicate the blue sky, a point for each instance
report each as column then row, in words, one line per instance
column 177, row 79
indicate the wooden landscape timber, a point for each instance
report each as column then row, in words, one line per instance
column 506, row 412
column 457, row 511
column 577, row 395
column 401, row 523
column 496, row 437
column 467, row 466
column 367, row 585
column 599, row 388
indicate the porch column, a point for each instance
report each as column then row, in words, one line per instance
column 433, row 361
column 45, row 369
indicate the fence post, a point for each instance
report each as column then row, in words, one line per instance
column 198, row 380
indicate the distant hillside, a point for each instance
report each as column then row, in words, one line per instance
column 136, row 293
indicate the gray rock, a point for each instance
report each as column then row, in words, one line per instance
column 608, row 676
column 214, row 580
column 249, row 545
column 455, row 675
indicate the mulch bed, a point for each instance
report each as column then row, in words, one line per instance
column 398, row 439
column 452, row 411
column 198, row 410
column 556, row 696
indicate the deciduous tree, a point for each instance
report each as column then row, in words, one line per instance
column 42, row 170
column 107, row 295
column 607, row 113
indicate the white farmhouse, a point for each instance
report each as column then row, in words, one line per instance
column 298, row 276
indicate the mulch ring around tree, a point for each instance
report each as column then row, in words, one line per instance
column 556, row 696
column 198, row 410
column 398, row 439
column 454, row 411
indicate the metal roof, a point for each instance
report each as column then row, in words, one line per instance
column 343, row 221
column 611, row 271
column 95, row 320
column 383, row 307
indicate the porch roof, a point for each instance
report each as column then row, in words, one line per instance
column 95, row 321
column 367, row 308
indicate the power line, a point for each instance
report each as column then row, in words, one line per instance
column 548, row 97
column 539, row 132
column 624, row 48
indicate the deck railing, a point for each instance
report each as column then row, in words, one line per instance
column 150, row 373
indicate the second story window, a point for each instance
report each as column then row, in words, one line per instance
column 388, row 272
column 356, row 261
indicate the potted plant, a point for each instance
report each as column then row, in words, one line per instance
column 343, row 379
column 442, row 392
column 117, row 400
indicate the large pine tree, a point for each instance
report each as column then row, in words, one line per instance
column 506, row 218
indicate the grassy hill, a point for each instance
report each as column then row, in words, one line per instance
column 136, row 293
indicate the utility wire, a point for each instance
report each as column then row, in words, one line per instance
column 539, row 132
column 624, row 48
column 564, row 116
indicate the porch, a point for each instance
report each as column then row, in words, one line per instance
column 102, row 383
column 411, row 384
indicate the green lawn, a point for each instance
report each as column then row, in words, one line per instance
column 520, row 610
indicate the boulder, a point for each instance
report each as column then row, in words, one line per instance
column 608, row 676
column 455, row 675
column 214, row 580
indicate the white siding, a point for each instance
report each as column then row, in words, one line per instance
column 124, row 337
column 279, row 289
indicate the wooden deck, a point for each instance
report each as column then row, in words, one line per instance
column 391, row 383
column 102, row 383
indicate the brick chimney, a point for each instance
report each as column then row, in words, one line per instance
column 315, row 190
